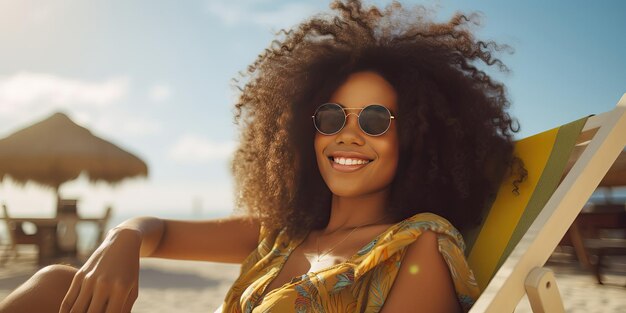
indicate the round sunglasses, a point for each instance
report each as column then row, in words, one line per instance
column 330, row 118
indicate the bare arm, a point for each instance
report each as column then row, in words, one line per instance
column 108, row 281
column 228, row 239
column 423, row 282
column 221, row 240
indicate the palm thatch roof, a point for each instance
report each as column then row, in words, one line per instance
column 57, row 150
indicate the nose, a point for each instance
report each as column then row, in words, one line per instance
column 351, row 132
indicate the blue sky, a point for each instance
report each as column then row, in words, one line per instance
column 155, row 78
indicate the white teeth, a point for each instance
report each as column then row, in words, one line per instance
column 350, row 161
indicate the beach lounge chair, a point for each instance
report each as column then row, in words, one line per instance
column 519, row 232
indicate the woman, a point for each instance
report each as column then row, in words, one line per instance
column 363, row 134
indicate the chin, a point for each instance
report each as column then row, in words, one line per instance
column 342, row 192
column 350, row 191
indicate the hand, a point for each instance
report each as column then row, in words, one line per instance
column 108, row 281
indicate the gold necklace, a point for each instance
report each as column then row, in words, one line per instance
column 317, row 241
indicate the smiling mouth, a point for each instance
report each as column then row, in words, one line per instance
column 343, row 164
column 348, row 161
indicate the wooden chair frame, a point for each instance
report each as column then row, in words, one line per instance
column 522, row 272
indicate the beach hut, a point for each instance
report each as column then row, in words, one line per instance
column 56, row 150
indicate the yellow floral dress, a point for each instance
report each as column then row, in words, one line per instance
column 359, row 284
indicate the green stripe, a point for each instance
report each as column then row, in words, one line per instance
column 548, row 182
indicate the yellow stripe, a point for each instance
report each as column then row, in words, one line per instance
column 508, row 208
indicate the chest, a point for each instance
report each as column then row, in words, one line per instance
column 304, row 258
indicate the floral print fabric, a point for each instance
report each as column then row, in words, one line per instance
column 360, row 284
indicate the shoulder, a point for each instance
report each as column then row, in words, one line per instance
column 398, row 238
column 430, row 220
column 423, row 279
column 277, row 240
column 423, row 222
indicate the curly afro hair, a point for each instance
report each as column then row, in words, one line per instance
column 455, row 134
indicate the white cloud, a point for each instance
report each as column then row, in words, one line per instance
column 27, row 93
column 193, row 148
column 27, row 97
column 160, row 93
column 260, row 12
column 122, row 124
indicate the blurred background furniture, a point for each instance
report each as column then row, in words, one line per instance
column 54, row 238
column 43, row 237
column 595, row 223
column 102, row 224
column 603, row 229
column 67, row 238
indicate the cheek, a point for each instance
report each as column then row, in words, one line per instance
column 319, row 144
column 391, row 145
column 389, row 153
column 391, row 158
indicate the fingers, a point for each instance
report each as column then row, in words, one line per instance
column 72, row 293
column 122, row 301
column 84, row 297
column 97, row 297
column 130, row 301
column 99, row 300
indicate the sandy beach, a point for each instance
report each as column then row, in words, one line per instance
column 195, row 287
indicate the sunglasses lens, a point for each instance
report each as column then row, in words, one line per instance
column 329, row 118
column 375, row 120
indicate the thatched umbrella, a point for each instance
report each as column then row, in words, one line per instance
column 56, row 150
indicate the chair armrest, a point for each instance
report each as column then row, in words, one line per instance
column 543, row 293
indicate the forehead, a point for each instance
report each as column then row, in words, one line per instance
column 364, row 88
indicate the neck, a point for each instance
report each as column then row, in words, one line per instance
column 350, row 212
